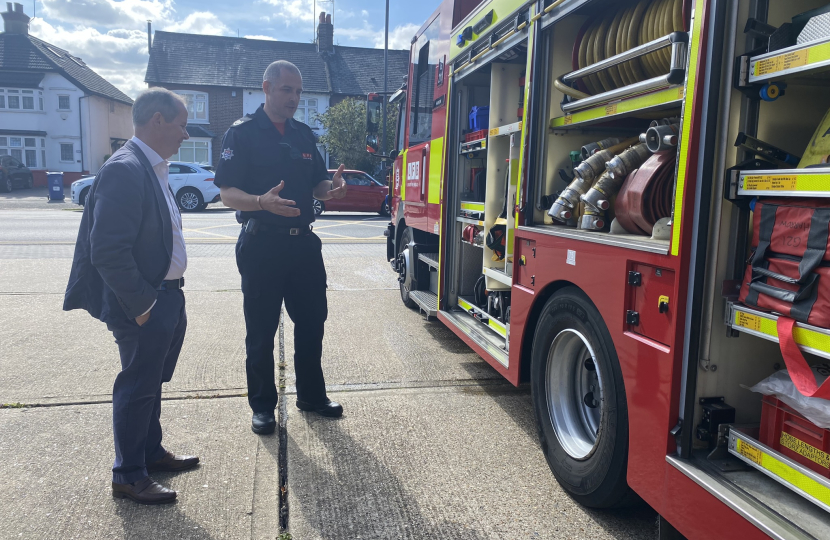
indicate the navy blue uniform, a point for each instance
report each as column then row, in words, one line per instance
column 278, row 257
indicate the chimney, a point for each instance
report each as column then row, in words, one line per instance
column 325, row 34
column 14, row 20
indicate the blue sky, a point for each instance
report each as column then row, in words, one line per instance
column 111, row 35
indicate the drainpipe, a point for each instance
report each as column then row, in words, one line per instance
column 81, row 131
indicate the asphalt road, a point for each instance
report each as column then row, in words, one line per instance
column 433, row 443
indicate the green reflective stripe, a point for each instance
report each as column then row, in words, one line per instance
column 403, row 175
column 436, row 156
column 683, row 158
column 528, row 68
column 501, row 10
column 497, row 326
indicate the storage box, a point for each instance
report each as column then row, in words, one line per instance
column 789, row 433
column 475, row 135
column 479, row 118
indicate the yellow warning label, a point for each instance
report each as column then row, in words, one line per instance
column 769, row 183
column 747, row 320
column 782, row 62
column 568, row 119
column 750, row 452
column 494, row 132
column 681, row 93
column 610, row 109
column 809, row 451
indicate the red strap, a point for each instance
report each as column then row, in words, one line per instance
column 800, row 372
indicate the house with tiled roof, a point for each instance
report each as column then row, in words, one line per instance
column 56, row 113
column 221, row 79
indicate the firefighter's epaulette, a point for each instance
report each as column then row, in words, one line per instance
column 241, row 121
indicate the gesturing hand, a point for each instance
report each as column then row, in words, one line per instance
column 338, row 185
column 275, row 204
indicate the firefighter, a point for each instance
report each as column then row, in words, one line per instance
column 270, row 171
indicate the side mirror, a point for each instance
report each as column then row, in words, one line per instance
column 393, row 155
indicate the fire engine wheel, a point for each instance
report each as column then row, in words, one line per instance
column 579, row 400
column 406, row 238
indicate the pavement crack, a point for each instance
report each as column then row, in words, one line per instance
column 282, row 432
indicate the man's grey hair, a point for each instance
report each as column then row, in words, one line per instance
column 154, row 100
column 275, row 69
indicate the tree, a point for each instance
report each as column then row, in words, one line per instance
column 345, row 137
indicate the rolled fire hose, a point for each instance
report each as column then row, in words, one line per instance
column 646, row 194
column 617, row 32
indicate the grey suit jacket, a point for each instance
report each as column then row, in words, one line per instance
column 125, row 241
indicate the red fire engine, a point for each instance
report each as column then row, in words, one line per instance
column 572, row 195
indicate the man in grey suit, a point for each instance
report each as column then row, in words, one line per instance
column 128, row 272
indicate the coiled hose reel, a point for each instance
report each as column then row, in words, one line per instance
column 619, row 31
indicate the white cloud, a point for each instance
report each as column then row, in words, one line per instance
column 292, row 11
column 119, row 56
column 108, row 13
column 364, row 13
column 199, row 22
column 268, row 38
column 399, row 38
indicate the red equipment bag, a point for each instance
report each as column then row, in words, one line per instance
column 789, row 273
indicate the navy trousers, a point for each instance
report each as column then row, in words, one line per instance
column 277, row 268
column 148, row 358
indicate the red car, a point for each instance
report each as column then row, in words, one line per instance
column 364, row 194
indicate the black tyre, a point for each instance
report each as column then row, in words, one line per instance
column 190, row 200
column 579, row 401
column 82, row 196
column 30, row 183
column 406, row 238
column 319, row 207
column 384, row 208
column 6, row 184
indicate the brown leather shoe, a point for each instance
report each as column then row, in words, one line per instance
column 173, row 463
column 145, row 491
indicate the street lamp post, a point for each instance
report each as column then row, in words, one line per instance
column 385, row 81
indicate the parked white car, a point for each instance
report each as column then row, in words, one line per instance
column 191, row 183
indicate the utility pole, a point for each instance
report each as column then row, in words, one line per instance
column 385, row 82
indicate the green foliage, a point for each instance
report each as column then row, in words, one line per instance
column 345, row 136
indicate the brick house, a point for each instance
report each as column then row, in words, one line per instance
column 56, row 113
column 221, row 79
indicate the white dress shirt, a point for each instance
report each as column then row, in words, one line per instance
column 178, row 261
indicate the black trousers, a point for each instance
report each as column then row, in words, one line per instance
column 277, row 268
column 148, row 358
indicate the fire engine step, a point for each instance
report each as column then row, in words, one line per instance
column 779, row 512
column 800, row 479
column 482, row 336
column 429, row 258
column 426, row 300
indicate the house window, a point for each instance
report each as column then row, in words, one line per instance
column 63, row 103
column 13, row 99
column 28, row 100
column 43, row 158
column 194, row 152
column 67, row 152
column 307, row 112
column 197, row 106
column 40, row 102
column 2, row 99
column 31, row 158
